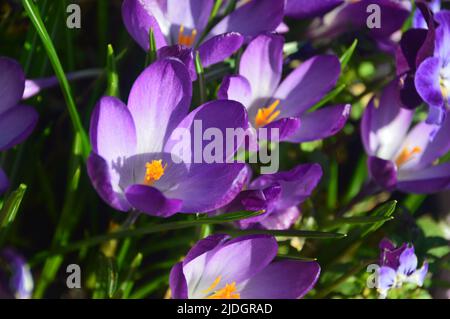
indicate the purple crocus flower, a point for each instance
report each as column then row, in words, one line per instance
column 398, row 266
column 272, row 104
column 180, row 25
column 135, row 164
column 17, row 121
column 432, row 78
column 400, row 157
column 16, row 280
column 419, row 21
column 219, row 267
column 279, row 195
column 303, row 9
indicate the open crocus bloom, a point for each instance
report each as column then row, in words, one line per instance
column 272, row 104
column 433, row 74
column 218, row 267
column 400, row 157
column 181, row 24
column 278, row 195
column 16, row 121
column 16, row 280
column 136, row 161
column 398, row 266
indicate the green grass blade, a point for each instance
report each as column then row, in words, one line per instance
column 286, row 233
column 34, row 15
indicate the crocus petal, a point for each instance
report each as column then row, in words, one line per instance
column 236, row 261
column 321, row 124
column 383, row 172
column 302, row 9
column 191, row 14
column 286, row 279
column 252, row 18
column 442, row 48
column 177, row 281
column 215, row 118
column 389, row 254
column 261, row 64
column 297, row 184
column 286, row 127
column 182, row 53
column 106, row 183
column 204, row 245
column 151, row 201
column 207, row 187
column 112, row 131
column 408, row 262
column 4, row 182
column 16, row 125
column 430, row 148
column 158, row 101
column 281, row 219
column 12, row 83
column 307, row 84
column 426, row 181
column 236, row 88
column 384, row 127
column 427, row 82
column 220, row 47
column 141, row 16
column 386, row 279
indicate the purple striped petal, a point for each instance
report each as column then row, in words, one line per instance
column 12, row 83
column 303, row 9
column 408, row 262
column 177, row 282
column 287, row 279
column 252, row 18
column 106, row 183
column 281, row 219
column 386, row 279
column 383, row 128
column 158, row 101
column 426, row 181
column 321, row 124
column 307, row 84
column 151, row 201
column 112, row 131
column 261, row 64
column 427, row 82
column 141, row 16
column 16, row 124
column 236, row 88
column 383, row 172
column 219, row 48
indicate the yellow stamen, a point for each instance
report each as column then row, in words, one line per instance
column 186, row 40
column 406, row 154
column 228, row 292
column 153, row 171
column 266, row 115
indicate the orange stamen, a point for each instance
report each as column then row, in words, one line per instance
column 406, row 154
column 267, row 115
column 153, row 171
column 186, row 40
column 228, row 292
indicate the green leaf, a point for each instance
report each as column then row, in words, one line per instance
column 356, row 220
column 385, row 210
column 151, row 54
column 201, row 77
column 286, row 233
column 106, row 277
column 280, row 256
column 347, row 55
column 33, row 14
column 96, row 240
column 11, row 206
column 112, row 75
column 327, row 98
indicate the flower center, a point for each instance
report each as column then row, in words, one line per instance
column 444, row 83
column 228, row 292
column 406, row 154
column 154, row 170
column 266, row 115
column 186, row 40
